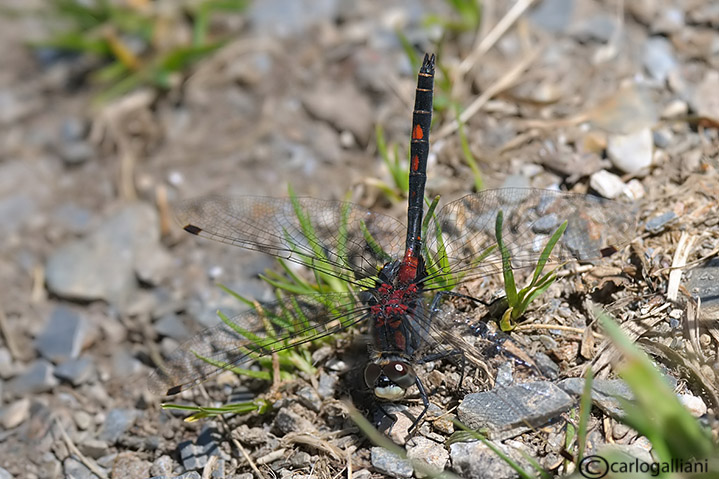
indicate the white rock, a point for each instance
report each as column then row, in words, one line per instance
column 607, row 184
column 694, row 404
column 633, row 152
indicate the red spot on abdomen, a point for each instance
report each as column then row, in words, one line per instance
column 417, row 133
column 408, row 269
column 415, row 163
column 400, row 340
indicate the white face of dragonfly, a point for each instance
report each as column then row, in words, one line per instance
column 389, row 380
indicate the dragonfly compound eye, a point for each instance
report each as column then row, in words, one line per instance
column 400, row 373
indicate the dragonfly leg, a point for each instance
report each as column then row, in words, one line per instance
column 425, row 402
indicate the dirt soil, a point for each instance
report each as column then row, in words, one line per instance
column 617, row 99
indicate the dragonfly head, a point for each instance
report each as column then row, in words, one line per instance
column 389, row 379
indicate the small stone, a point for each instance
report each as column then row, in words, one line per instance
column 195, row 456
column 153, row 263
column 64, row 336
column 604, row 393
column 633, row 152
column 94, row 448
column 82, row 420
column 125, row 364
column 553, row 15
column 326, row 386
column 659, row 58
column 116, row 423
column 607, row 184
column 662, row 138
column 342, row 106
column 288, row 421
column 390, row 464
column 76, row 470
column 657, row 223
column 704, row 282
column 7, row 368
column 694, row 404
column 171, row 326
column 433, row 456
column 76, row 371
column 478, row 461
column 36, row 379
column 162, row 466
column 129, row 466
column 15, row 414
column 507, row 412
column 309, row 398
column 704, row 100
column 4, row 474
column 675, row 109
column 301, row 459
column 75, row 152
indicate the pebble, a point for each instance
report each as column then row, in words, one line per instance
column 523, row 406
column 36, row 379
column 478, row 461
column 7, row 368
column 301, row 459
column 598, row 27
column 75, row 152
column 129, row 466
column 100, row 266
column 607, row 184
column 657, row 223
column 4, row 474
column 288, row 421
column 704, row 282
column 668, row 20
column 73, row 218
column 694, row 404
column 64, row 336
column 632, row 152
column 659, row 58
column 116, row 423
column 76, row 470
column 326, row 385
column 82, row 420
column 162, row 466
column 388, row 463
column 604, row 393
column 171, row 326
column 553, row 15
column 309, row 398
column 94, row 448
column 433, row 456
column 675, row 109
column 195, row 456
column 124, row 364
column 284, row 18
column 704, row 100
column 343, row 107
column 153, row 263
column 15, row 413
column 76, row 371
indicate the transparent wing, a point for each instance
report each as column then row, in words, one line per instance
column 595, row 227
column 337, row 238
column 255, row 333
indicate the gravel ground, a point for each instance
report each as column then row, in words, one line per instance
column 614, row 98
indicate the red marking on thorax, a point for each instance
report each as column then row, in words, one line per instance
column 415, row 163
column 408, row 268
column 417, row 133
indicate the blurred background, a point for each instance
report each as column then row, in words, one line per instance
column 110, row 110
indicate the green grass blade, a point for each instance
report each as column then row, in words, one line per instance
column 547, row 251
column 510, row 287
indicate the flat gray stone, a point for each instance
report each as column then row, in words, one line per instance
column 116, row 423
column 74, row 469
column 704, row 282
column 64, row 335
column 76, row 371
column 15, row 413
column 632, row 152
column 659, row 58
column 389, row 463
column 433, row 456
column 476, row 460
column 36, row 379
column 508, row 412
column 195, row 455
column 171, row 326
column 604, row 393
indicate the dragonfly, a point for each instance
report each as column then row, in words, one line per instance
column 399, row 273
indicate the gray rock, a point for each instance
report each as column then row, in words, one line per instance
column 432, row 455
column 75, row 152
column 343, row 107
column 15, row 413
column 607, row 184
column 125, row 364
column 507, row 412
column 171, row 326
column 73, row 218
column 478, row 461
column 64, row 335
column 669, row 20
column 100, row 266
column 285, row 18
column 4, row 474
column 288, row 421
column 631, row 153
column 515, row 181
column 659, row 58
column 187, row 475
column 162, row 466
column 195, row 456
column 36, row 379
column 93, row 448
column 7, row 368
column 604, row 393
column 662, row 138
column 73, row 128
column 76, row 371
column 116, row 423
column 599, row 28
column 326, row 386
column 74, row 469
column 389, row 463
column 301, row 459
column 703, row 100
column 309, row 398
column 129, row 466
column 657, row 223
column 704, row 282
column 153, row 263
column 553, row 15
column 15, row 209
